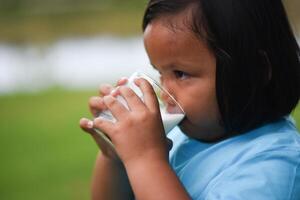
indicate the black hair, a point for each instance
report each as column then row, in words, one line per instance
column 258, row 59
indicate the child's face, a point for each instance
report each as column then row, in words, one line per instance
column 188, row 71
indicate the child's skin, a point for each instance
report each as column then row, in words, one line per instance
column 188, row 70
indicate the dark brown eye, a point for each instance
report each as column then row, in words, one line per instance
column 181, row 74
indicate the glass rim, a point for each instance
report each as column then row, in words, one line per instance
column 153, row 81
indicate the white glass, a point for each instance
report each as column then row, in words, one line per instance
column 170, row 110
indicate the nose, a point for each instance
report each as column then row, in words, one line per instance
column 167, row 99
column 170, row 103
column 167, row 86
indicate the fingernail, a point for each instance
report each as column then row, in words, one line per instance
column 123, row 78
column 115, row 92
column 115, row 89
column 90, row 124
column 105, row 88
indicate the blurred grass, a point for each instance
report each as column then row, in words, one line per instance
column 44, row 154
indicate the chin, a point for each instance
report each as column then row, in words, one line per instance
column 185, row 127
column 188, row 131
column 199, row 133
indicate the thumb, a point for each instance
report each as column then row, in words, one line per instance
column 100, row 138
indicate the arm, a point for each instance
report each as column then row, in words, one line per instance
column 155, row 179
column 110, row 180
column 143, row 147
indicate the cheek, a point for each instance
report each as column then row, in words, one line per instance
column 201, row 105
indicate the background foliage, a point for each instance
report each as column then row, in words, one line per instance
column 44, row 154
column 48, row 20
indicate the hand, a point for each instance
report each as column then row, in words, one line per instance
column 96, row 105
column 138, row 133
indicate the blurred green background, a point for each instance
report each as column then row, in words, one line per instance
column 44, row 153
column 48, row 20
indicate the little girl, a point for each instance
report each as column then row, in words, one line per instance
column 234, row 68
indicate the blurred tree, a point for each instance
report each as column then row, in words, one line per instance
column 46, row 20
column 293, row 10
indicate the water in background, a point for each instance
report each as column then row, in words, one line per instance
column 70, row 63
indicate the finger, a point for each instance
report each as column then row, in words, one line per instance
column 118, row 110
column 103, row 125
column 122, row 81
column 96, row 105
column 149, row 95
column 105, row 89
column 115, row 92
column 133, row 101
column 88, row 126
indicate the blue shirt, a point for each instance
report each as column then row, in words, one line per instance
column 261, row 164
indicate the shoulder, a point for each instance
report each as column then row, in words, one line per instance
column 279, row 136
column 272, row 174
column 257, row 165
column 266, row 167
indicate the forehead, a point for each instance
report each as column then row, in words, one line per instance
column 171, row 28
column 169, row 34
column 168, row 43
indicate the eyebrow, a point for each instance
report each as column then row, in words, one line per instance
column 171, row 66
